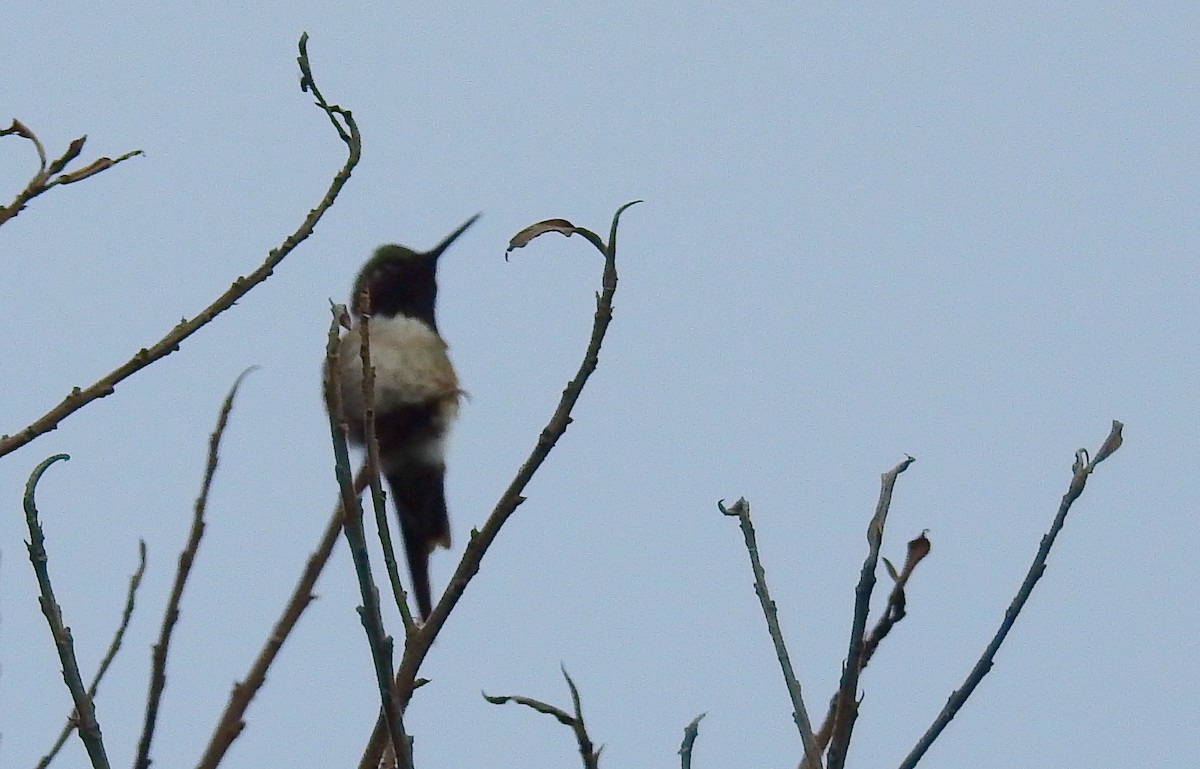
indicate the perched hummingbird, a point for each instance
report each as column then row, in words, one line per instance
column 416, row 394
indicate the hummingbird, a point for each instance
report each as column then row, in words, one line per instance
column 416, row 393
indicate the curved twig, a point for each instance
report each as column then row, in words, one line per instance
column 418, row 644
column 690, row 733
column 88, row 726
column 78, row 398
column 589, row 754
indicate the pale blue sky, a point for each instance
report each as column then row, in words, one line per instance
column 965, row 234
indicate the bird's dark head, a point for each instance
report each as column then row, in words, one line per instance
column 402, row 281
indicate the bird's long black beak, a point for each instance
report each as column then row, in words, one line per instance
column 440, row 247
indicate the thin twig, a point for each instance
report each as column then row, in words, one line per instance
column 372, row 441
column 589, row 754
column 158, row 667
column 380, row 643
column 88, row 727
column 1080, row 471
column 741, row 509
column 232, row 720
column 847, row 702
column 52, row 175
column 418, row 644
column 78, row 398
column 690, row 733
column 897, row 603
column 113, row 647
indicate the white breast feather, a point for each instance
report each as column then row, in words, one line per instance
column 411, row 367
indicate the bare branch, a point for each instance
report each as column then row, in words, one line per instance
column 895, row 611
column 158, row 667
column 113, row 647
column 589, row 754
column 51, row 175
column 1080, row 471
column 88, row 726
column 372, row 466
column 741, row 509
column 847, row 698
column 418, row 644
column 372, row 620
column 690, row 733
column 106, row 385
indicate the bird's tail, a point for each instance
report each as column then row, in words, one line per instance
column 418, row 491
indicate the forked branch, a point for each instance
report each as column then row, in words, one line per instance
column 895, row 611
column 53, row 173
column 587, row 751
